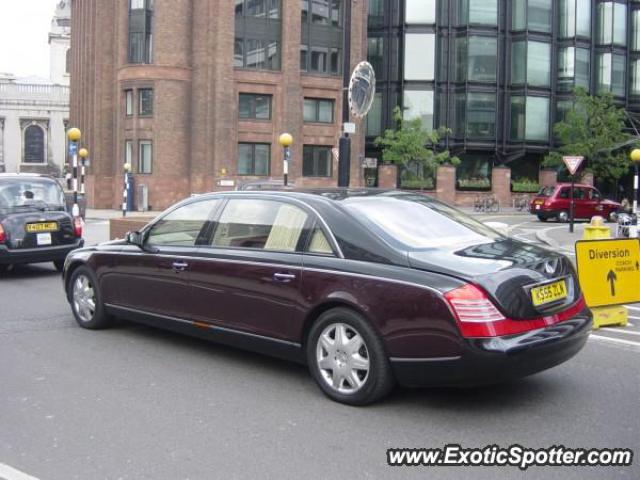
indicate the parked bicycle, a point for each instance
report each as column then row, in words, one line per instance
column 521, row 202
column 486, row 203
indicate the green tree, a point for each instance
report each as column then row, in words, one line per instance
column 410, row 143
column 594, row 129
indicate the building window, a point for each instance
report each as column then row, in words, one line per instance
column 575, row 18
column 317, row 110
column 419, row 56
column 419, row 104
column 481, row 116
column 635, row 77
column 476, row 59
column 254, row 106
column 531, row 63
column 140, row 31
column 529, row 118
column 573, row 68
column 375, row 55
column 128, row 152
column 376, row 13
column 145, row 156
column 374, row 117
column 611, row 73
column 612, row 23
column 321, row 38
column 258, row 35
column 473, row 12
column 532, row 15
column 128, row 102
column 254, row 159
column 34, row 144
column 316, row 161
column 420, row 12
column 67, row 62
column 145, row 102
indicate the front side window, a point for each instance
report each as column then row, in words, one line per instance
column 316, row 161
column 260, row 224
column 253, row 106
column 184, row 227
column 145, row 107
column 140, row 31
column 254, row 159
column 258, row 34
column 318, row 110
column 145, row 157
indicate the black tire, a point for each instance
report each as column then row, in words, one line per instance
column 542, row 218
column 59, row 264
column 378, row 381
column 97, row 317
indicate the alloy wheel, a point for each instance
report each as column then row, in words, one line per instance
column 84, row 299
column 342, row 358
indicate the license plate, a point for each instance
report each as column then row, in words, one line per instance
column 43, row 238
column 551, row 292
column 537, row 207
column 42, row 227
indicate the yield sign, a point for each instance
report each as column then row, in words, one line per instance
column 572, row 163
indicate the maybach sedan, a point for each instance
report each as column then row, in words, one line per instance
column 368, row 288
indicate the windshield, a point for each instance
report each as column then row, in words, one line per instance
column 415, row 222
column 37, row 193
column 546, row 191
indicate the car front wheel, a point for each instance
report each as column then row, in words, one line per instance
column 563, row 216
column 86, row 301
column 347, row 359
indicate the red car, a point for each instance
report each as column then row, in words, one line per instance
column 554, row 202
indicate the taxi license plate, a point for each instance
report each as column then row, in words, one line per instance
column 551, row 292
column 42, row 227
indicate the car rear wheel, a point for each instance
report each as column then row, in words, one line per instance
column 86, row 301
column 347, row 359
column 563, row 216
column 542, row 218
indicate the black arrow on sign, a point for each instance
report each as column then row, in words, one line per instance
column 612, row 277
column 637, row 265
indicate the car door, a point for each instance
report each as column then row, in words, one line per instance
column 156, row 280
column 248, row 278
column 594, row 203
column 582, row 203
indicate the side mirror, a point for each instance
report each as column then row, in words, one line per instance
column 134, row 238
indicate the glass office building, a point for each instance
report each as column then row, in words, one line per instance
column 498, row 73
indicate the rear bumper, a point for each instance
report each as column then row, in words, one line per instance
column 498, row 359
column 35, row 255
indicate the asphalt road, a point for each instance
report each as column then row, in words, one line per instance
column 138, row 403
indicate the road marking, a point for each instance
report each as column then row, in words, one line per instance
column 620, row 330
column 614, row 340
column 636, row 309
column 634, row 317
column 10, row 473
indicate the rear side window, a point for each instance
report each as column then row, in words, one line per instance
column 260, row 224
column 564, row 192
column 184, row 226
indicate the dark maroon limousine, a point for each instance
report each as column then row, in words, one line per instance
column 367, row 287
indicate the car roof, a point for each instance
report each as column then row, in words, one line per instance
column 25, row 175
column 576, row 185
column 329, row 193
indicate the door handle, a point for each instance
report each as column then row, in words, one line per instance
column 284, row 277
column 179, row 266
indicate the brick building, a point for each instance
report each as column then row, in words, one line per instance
column 195, row 93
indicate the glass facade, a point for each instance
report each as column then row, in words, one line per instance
column 140, row 31
column 321, row 39
column 258, row 28
column 499, row 73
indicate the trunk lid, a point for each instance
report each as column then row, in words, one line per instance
column 38, row 229
column 507, row 270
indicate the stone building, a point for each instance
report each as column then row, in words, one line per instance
column 195, row 93
column 34, row 112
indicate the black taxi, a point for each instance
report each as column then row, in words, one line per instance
column 34, row 223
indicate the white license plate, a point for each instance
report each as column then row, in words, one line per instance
column 537, row 207
column 43, row 239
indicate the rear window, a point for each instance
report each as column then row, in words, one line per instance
column 546, row 191
column 30, row 192
column 415, row 222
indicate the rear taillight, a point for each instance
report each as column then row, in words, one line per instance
column 3, row 235
column 77, row 226
column 477, row 316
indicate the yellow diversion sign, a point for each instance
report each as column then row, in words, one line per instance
column 609, row 271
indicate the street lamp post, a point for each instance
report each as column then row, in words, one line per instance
column 285, row 141
column 74, row 135
column 635, row 157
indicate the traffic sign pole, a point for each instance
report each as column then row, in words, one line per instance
column 571, row 204
column 572, row 164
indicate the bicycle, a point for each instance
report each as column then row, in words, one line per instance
column 521, row 202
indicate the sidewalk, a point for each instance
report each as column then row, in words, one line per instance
column 558, row 236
